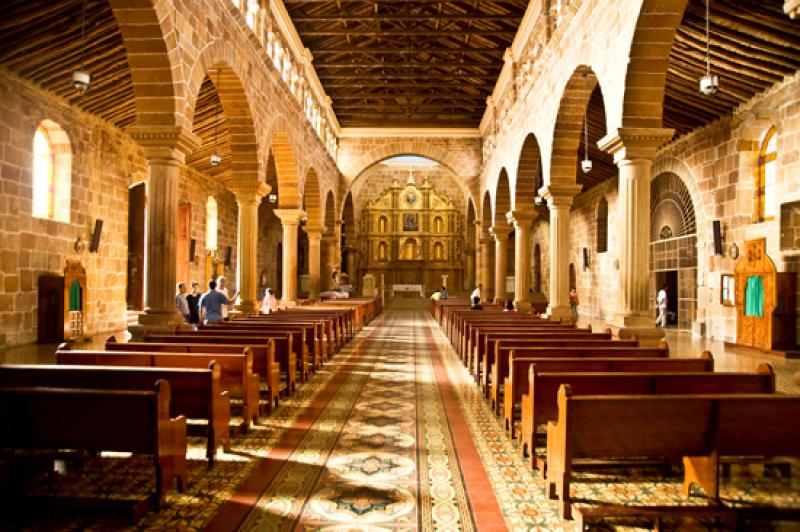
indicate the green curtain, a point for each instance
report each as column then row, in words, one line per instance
column 75, row 296
column 754, row 297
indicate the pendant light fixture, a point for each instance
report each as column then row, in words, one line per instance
column 709, row 84
column 216, row 160
column 586, row 163
column 81, row 78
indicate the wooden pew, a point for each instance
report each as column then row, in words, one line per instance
column 283, row 352
column 699, row 428
column 49, row 419
column 236, row 371
column 506, row 352
column 465, row 326
column 538, row 408
column 326, row 330
column 481, row 336
column 305, row 333
column 495, row 343
column 264, row 364
column 196, row 393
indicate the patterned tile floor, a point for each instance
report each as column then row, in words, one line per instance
column 390, row 435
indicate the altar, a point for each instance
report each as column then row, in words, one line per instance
column 413, row 288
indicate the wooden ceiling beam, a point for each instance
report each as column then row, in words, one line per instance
column 405, row 51
column 433, row 33
column 386, row 84
column 453, row 106
column 356, row 77
column 406, row 18
column 419, row 65
column 409, row 95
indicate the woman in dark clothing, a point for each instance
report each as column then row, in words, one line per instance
column 193, row 299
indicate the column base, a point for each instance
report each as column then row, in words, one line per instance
column 560, row 313
column 245, row 308
column 288, row 303
column 643, row 327
column 156, row 321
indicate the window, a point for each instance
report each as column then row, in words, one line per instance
column 382, row 251
column 728, row 292
column 602, row 226
column 438, row 225
column 765, row 186
column 52, row 172
column 382, row 223
column 211, row 224
column 438, row 251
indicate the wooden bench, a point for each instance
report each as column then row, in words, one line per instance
column 49, row 419
column 588, row 515
column 699, row 428
column 326, row 330
column 236, row 371
column 284, row 353
column 523, row 370
column 483, row 337
column 196, row 393
column 507, row 352
column 264, row 364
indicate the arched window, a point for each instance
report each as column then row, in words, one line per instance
column 382, row 223
column 211, row 224
column 382, row 251
column 602, row 226
column 52, row 172
column 438, row 225
column 767, row 169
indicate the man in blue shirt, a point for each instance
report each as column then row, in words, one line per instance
column 211, row 304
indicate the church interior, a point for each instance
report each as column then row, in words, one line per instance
column 617, row 181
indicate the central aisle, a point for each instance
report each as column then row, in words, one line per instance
column 383, row 443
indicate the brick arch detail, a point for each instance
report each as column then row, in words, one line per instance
column 646, row 77
column 702, row 212
column 569, row 124
column 283, row 153
column 329, row 214
column 486, row 212
column 358, row 165
column 528, row 169
column 502, row 198
column 312, row 200
column 150, row 38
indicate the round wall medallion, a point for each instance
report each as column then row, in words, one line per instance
column 411, row 198
column 733, row 251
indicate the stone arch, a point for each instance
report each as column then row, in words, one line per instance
column 529, row 171
column 330, row 212
column 150, row 38
column 486, row 212
column 671, row 207
column 569, row 124
column 646, row 77
column 358, row 165
column 673, row 165
column 502, row 198
column 312, row 200
column 349, row 220
column 223, row 71
column 285, row 169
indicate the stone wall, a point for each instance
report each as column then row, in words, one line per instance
column 104, row 162
column 269, row 235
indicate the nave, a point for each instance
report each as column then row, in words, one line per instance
column 391, row 433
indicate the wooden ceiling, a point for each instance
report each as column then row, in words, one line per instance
column 407, row 63
column 754, row 45
column 40, row 40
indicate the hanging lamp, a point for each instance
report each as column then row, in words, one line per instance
column 82, row 78
column 586, row 163
column 216, row 160
column 709, row 84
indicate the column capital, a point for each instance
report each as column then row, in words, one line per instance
column 560, row 194
column 314, row 231
column 522, row 219
column 251, row 190
column 501, row 231
column 635, row 143
column 792, row 8
column 289, row 216
column 162, row 142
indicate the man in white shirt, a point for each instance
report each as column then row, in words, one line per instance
column 475, row 297
column 222, row 288
column 661, row 304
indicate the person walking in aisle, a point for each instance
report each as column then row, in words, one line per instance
column 180, row 301
column 661, row 304
column 270, row 303
column 212, row 303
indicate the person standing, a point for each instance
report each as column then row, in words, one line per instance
column 661, row 304
column 193, row 300
column 443, row 292
column 270, row 303
column 573, row 302
column 180, row 301
column 212, row 303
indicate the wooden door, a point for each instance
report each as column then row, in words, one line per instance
column 136, row 239
column 51, row 309
column 184, row 238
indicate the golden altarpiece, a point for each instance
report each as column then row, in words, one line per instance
column 412, row 235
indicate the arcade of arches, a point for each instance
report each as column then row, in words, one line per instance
column 291, row 145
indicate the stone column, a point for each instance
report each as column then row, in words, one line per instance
column 500, row 234
column 165, row 148
column 559, row 200
column 523, row 221
column 486, row 278
column 634, row 151
column 248, row 198
column 290, row 220
column 478, row 254
column 792, row 8
column 328, row 260
column 314, row 235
